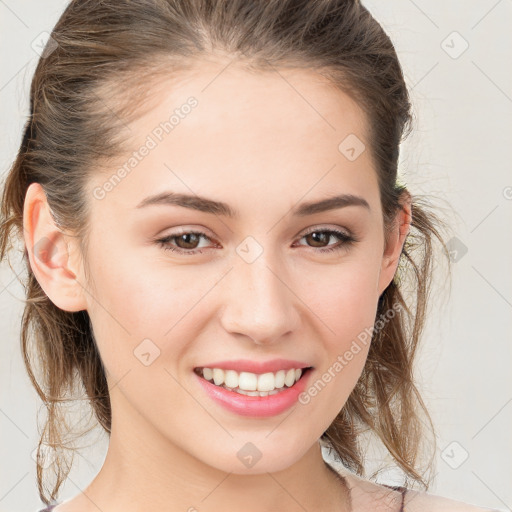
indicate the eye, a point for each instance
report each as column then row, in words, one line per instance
column 324, row 235
column 186, row 241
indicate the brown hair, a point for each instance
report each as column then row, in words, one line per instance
column 93, row 78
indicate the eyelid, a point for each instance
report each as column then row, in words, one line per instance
column 346, row 239
column 314, row 229
column 179, row 230
column 207, row 233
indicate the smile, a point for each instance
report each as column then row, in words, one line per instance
column 252, row 384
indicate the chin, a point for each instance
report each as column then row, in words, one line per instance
column 257, row 457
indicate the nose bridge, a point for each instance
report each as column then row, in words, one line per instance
column 258, row 303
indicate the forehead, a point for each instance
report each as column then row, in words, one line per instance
column 279, row 134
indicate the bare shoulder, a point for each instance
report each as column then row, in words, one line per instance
column 418, row 501
column 370, row 496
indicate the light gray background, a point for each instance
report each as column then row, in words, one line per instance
column 459, row 152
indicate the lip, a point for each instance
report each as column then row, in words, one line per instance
column 255, row 406
column 248, row 365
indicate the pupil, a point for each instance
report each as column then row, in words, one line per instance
column 319, row 235
column 185, row 237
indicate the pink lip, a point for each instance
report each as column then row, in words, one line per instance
column 247, row 365
column 260, row 406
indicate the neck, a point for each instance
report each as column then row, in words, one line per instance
column 158, row 475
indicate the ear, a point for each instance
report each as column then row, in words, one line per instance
column 50, row 253
column 395, row 241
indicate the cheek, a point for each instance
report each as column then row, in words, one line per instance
column 139, row 308
column 347, row 308
column 345, row 298
column 142, row 295
column 142, row 328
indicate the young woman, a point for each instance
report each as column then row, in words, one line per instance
column 217, row 248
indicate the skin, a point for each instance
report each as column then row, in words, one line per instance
column 259, row 146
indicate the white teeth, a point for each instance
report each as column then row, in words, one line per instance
column 290, row 377
column 266, row 382
column 231, row 379
column 279, row 379
column 252, row 393
column 253, row 384
column 218, row 376
column 248, row 381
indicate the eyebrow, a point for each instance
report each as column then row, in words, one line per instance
column 203, row 204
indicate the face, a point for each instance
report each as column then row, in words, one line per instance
column 173, row 288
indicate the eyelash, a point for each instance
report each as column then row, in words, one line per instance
column 346, row 241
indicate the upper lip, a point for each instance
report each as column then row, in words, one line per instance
column 247, row 365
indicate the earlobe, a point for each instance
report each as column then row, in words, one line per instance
column 48, row 253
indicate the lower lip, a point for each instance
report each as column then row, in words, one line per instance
column 259, row 406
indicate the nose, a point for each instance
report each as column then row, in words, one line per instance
column 258, row 302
